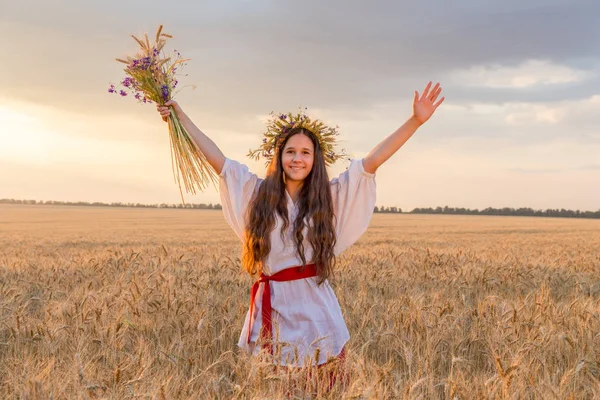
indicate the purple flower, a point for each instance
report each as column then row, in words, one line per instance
column 156, row 52
column 111, row 89
column 143, row 63
column 127, row 82
column 165, row 92
column 283, row 117
column 122, row 93
column 138, row 96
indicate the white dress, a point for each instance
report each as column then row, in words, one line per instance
column 305, row 316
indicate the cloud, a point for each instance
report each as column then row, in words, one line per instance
column 529, row 73
column 521, row 123
column 253, row 57
column 554, row 170
column 528, row 114
column 519, row 77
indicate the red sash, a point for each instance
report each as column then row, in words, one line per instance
column 288, row 274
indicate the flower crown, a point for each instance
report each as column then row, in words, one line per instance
column 280, row 125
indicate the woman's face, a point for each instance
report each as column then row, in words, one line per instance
column 298, row 157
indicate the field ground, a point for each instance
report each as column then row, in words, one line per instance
column 148, row 303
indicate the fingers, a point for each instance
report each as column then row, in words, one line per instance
column 438, row 103
column 426, row 91
column 435, row 94
column 416, row 97
column 163, row 111
column 429, row 93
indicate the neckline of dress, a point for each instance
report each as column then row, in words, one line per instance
column 290, row 200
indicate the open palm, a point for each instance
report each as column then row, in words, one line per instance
column 425, row 105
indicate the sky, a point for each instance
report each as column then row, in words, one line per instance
column 520, row 126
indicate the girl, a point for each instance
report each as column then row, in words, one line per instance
column 294, row 223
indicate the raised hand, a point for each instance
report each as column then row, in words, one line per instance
column 425, row 105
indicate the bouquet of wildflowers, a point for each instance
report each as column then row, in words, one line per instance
column 151, row 78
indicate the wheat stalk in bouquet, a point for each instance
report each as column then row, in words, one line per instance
column 151, row 77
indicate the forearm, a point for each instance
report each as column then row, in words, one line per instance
column 211, row 151
column 390, row 145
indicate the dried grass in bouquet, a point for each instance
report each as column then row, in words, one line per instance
column 152, row 78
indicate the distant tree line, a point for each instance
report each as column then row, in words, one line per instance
column 201, row 206
column 384, row 209
column 524, row 211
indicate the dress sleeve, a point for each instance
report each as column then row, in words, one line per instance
column 353, row 194
column 236, row 187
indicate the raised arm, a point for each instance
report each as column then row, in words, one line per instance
column 213, row 154
column 423, row 108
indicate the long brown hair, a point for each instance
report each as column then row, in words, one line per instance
column 315, row 207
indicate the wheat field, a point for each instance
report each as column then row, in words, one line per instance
column 120, row 303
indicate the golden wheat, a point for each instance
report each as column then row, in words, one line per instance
column 149, row 303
